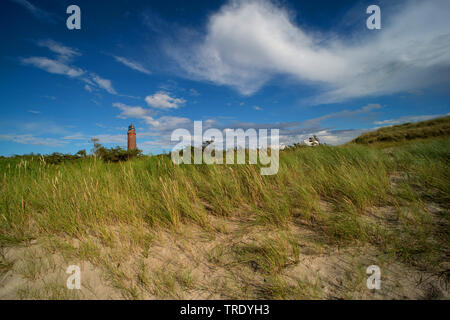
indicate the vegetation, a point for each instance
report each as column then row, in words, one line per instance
column 119, row 216
column 439, row 127
column 113, row 154
column 116, row 154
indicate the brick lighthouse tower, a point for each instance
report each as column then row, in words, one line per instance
column 131, row 138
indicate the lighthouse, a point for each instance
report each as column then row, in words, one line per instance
column 131, row 137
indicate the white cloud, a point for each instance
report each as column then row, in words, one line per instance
column 34, row 111
column 169, row 123
column 61, row 66
column 53, row 66
column 338, row 136
column 257, row 108
column 76, row 136
column 31, row 139
column 103, row 138
column 332, row 137
column 104, row 83
column 135, row 112
column 161, row 132
column 160, row 126
column 64, row 53
column 132, row 64
column 163, row 100
column 247, row 43
column 41, row 127
column 108, row 138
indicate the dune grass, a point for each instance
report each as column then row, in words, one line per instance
column 326, row 188
column 435, row 128
column 79, row 198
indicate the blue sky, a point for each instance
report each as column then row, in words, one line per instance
column 305, row 67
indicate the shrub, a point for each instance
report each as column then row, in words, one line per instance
column 117, row 154
column 56, row 158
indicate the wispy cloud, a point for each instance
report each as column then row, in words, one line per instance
column 62, row 66
column 194, row 92
column 405, row 119
column 248, row 43
column 49, row 97
column 64, row 53
column 162, row 100
column 104, row 84
column 132, row 64
column 103, row 138
column 347, row 114
column 296, row 131
column 41, row 127
column 54, row 66
column 43, row 133
column 37, row 12
column 112, row 138
column 76, row 136
column 34, row 111
column 31, row 139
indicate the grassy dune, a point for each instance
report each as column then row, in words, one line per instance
column 124, row 219
column 439, row 127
